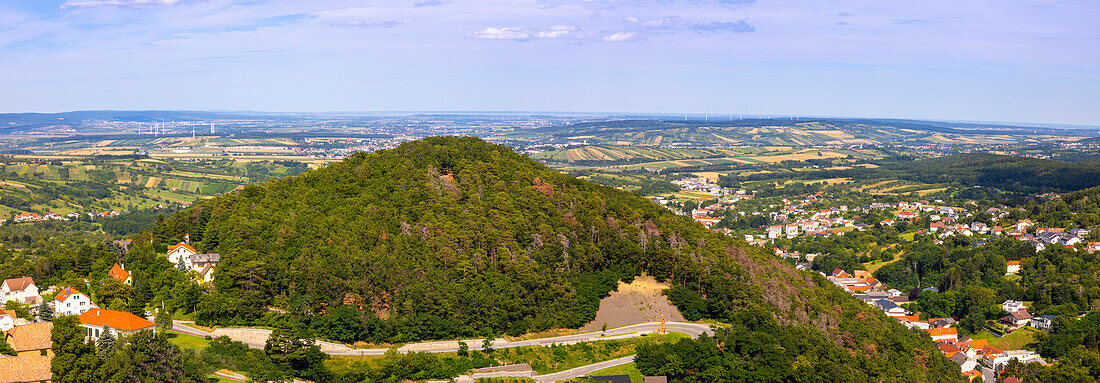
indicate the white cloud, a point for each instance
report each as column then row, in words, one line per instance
column 524, row 33
column 117, row 3
column 619, row 37
column 556, row 31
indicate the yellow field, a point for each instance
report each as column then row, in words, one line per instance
column 153, row 181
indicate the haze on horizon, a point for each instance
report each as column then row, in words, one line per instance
column 1015, row 61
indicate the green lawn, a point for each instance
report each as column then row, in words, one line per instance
column 626, row 369
column 185, row 341
column 1017, row 340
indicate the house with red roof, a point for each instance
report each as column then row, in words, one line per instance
column 180, row 252
column 944, row 334
column 21, row 290
column 119, row 323
column 120, row 274
column 71, row 302
column 7, row 320
column 1013, row 268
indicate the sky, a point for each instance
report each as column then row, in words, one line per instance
column 1032, row 61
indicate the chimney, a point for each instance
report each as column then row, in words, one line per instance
column 97, row 313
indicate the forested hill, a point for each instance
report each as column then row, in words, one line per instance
column 1021, row 174
column 453, row 237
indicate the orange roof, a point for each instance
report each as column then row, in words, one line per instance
column 118, row 273
column 988, row 350
column 948, row 349
column 30, row 337
column 26, row 368
column 184, row 245
column 114, row 319
column 978, row 344
column 907, row 318
column 66, row 293
column 942, row 331
column 9, row 313
column 1011, row 263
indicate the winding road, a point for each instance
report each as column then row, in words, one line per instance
column 631, row 331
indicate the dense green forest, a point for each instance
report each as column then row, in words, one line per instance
column 449, row 237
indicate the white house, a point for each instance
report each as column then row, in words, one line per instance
column 21, row 290
column 71, row 302
column 180, row 252
column 119, row 323
column 1042, row 322
column 7, row 320
column 204, row 264
column 1011, row 306
column 1013, row 268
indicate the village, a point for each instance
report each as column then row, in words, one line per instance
column 813, row 216
column 26, row 320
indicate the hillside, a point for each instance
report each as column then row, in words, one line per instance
column 449, row 237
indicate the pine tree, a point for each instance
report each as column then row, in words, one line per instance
column 45, row 312
column 107, row 344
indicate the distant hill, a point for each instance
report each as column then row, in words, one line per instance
column 1018, row 174
column 805, row 132
column 454, row 237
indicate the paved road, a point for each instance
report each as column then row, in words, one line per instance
column 692, row 329
column 584, row 370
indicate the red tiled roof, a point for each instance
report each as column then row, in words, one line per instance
column 9, row 313
column 18, row 284
column 1012, row 263
column 30, row 337
column 26, row 368
column 118, row 273
column 66, row 293
column 114, row 319
column 181, row 244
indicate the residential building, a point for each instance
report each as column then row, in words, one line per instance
column 1017, row 319
column 1013, row 268
column 944, row 334
column 21, row 290
column 7, row 320
column 71, row 302
column 1042, row 322
column 1010, row 306
column 32, row 345
column 180, row 252
column 119, row 323
column 120, row 274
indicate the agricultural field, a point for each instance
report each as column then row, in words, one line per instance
column 636, row 158
column 95, row 184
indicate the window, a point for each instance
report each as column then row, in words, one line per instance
column 97, row 333
column 82, row 303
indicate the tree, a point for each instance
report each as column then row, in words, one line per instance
column 75, row 360
column 5, row 348
column 107, row 344
column 463, row 349
column 288, row 347
column 45, row 312
column 487, row 345
column 164, row 320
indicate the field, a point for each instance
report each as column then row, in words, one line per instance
column 626, row 369
column 663, row 158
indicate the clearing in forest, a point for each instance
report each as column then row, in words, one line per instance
column 637, row 302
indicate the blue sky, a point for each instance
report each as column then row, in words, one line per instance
column 1005, row 60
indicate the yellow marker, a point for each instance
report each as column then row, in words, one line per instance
column 661, row 329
